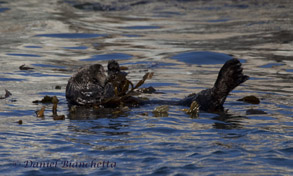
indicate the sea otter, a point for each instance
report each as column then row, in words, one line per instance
column 92, row 86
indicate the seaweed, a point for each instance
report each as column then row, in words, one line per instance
column 193, row 110
column 40, row 113
column 123, row 68
column 23, row 67
column 161, row 111
column 122, row 92
column 7, row 94
column 250, row 99
column 54, row 100
column 19, row 122
column 148, row 90
column 54, row 109
column 148, row 75
column 46, row 99
column 59, row 117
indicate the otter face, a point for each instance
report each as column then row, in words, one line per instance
column 113, row 67
column 97, row 73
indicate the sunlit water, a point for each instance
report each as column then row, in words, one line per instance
column 184, row 43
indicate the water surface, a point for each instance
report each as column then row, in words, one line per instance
column 184, row 43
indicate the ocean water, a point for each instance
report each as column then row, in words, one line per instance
column 184, row 43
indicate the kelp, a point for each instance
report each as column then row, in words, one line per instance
column 147, row 90
column 46, row 99
column 250, row 99
column 161, row 111
column 40, row 113
column 123, row 68
column 7, row 94
column 23, row 67
column 54, row 109
column 144, row 114
column 193, row 110
column 124, row 91
column 20, row 122
column 148, row 75
column 59, row 117
column 54, row 100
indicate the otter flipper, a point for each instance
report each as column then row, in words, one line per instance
column 212, row 100
column 230, row 76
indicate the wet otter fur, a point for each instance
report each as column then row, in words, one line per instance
column 90, row 86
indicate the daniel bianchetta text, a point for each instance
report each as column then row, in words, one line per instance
column 66, row 164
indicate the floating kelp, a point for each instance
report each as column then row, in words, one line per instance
column 54, row 100
column 19, row 122
column 61, row 117
column 54, row 109
column 123, row 68
column 250, row 99
column 144, row 114
column 193, row 110
column 124, row 95
column 40, row 113
column 23, row 67
column 46, row 99
column 148, row 90
column 120, row 110
column 161, row 111
column 57, row 87
column 148, row 75
column 7, row 94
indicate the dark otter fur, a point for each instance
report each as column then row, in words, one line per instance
column 212, row 100
column 90, row 85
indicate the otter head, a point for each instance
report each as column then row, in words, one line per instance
column 97, row 73
column 113, row 68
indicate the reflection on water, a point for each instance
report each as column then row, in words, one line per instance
column 70, row 35
column 184, row 43
column 107, row 57
column 23, row 55
column 202, row 57
column 77, row 48
column 142, row 27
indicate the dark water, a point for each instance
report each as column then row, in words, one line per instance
column 184, row 43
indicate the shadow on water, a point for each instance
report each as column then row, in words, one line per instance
column 203, row 57
column 92, row 113
column 228, row 121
